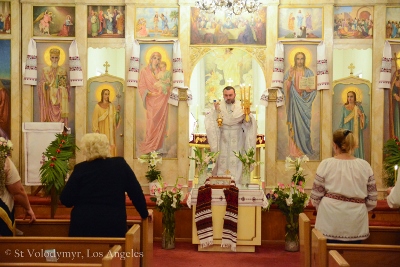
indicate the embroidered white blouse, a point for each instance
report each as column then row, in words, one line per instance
column 351, row 179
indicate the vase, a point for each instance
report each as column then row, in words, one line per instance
column 292, row 242
column 168, row 235
column 202, row 177
column 245, row 179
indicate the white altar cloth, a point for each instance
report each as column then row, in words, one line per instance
column 247, row 198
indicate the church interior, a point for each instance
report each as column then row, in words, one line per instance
column 106, row 44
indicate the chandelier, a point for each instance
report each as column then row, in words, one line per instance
column 232, row 6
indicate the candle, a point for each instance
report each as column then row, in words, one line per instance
column 242, row 92
column 248, row 92
column 395, row 172
column 197, row 113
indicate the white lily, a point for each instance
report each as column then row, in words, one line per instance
column 305, row 159
column 289, row 200
column 9, row 144
column 153, row 155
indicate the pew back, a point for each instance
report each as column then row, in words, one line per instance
column 64, row 249
column 114, row 257
column 132, row 247
column 336, row 260
column 305, row 239
column 319, row 253
column 60, row 228
column 364, row 255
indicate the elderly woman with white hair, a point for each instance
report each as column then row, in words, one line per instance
column 96, row 191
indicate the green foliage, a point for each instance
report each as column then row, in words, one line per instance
column 391, row 151
column 152, row 159
column 55, row 166
column 247, row 158
column 152, row 174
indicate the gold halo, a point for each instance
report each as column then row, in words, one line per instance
column 160, row 50
column 356, row 90
column 46, row 55
column 303, row 49
column 105, row 86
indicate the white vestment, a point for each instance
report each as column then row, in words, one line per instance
column 234, row 135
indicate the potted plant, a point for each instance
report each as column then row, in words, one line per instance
column 291, row 200
column 167, row 202
column 55, row 167
column 152, row 173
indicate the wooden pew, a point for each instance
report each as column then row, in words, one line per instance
column 85, row 250
column 305, row 239
column 132, row 247
column 114, row 256
column 336, row 260
column 364, row 255
column 384, row 235
column 112, row 259
column 60, row 228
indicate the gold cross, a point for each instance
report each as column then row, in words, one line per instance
column 351, row 68
column 106, row 65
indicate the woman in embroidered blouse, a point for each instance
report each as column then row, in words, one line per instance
column 343, row 192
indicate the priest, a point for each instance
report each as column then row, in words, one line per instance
column 229, row 132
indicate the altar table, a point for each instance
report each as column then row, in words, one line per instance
column 249, row 219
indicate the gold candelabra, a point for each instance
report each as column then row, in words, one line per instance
column 246, row 103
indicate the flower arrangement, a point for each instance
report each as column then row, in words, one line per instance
column 55, row 166
column 391, row 151
column 291, row 200
column 295, row 164
column 152, row 159
column 202, row 159
column 247, row 158
column 248, row 162
column 167, row 202
column 5, row 149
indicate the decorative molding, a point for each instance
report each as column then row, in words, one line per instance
column 196, row 53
